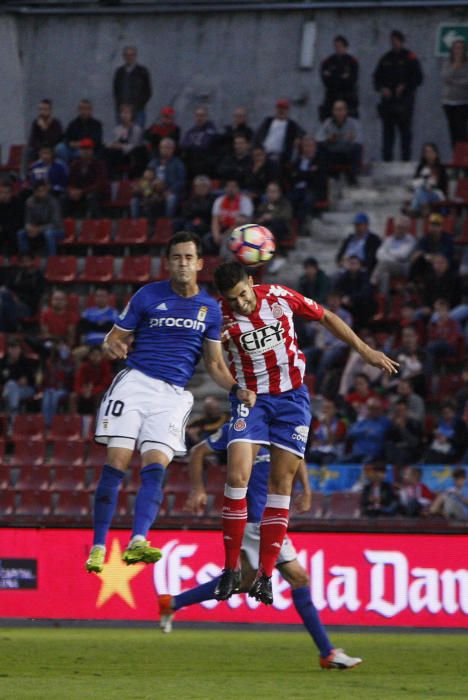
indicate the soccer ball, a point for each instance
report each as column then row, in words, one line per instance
column 252, row 245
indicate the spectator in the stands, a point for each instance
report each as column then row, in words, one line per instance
column 308, row 179
column 169, row 169
column 360, row 393
column 362, row 244
column 453, row 502
column 238, row 127
column 449, row 439
column 327, row 435
column 125, row 152
column 404, row 437
column 26, row 283
column 149, row 197
column 11, row 218
column 57, row 321
column 17, row 376
column 455, row 91
column 56, row 380
column 49, row 169
column 440, row 283
column 97, row 320
column 198, row 144
column 43, row 222
column 430, row 181
column 339, row 140
column 196, row 210
column 436, row 240
column 414, row 496
column 356, row 293
column 91, row 380
column 237, row 163
column 275, row 212
column 396, row 79
column 339, row 73
column 262, row 172
column 279, row 135
column 212, row 419
column 444, row 336
column 461, row 395
column 229, row 209
column 393, row 255
column 314, row 283
column 415, row 405
column 132, row 85
column 165, row 128
column 378, row 496
column 46, row 130
column 84, row 126
column 87, row 184
column 355, row 366
column 411, row 357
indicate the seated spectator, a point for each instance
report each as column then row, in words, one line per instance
column 450, row 438
column 196, row 210
column 308, row 179
column 327, row 435
column 169, row 169
column 435, row 241
column 368, row 434
column 453, row 503
column 84, row 126
column 378, row 496
column 198, row 145
column 263, row 171
column 91, row 380
column 149, row 197
column 57, row 321
column 236, row 164
column 11, row 218
column 393, row 256
column 340, row 140
column 359, row 395
column 416, row 409
column 45, row 130
column 275, row 212
column 26, row 283
column 56, row 380
column 229, row 209
column 430, row 181
column 414, row 497
column 97, row 320
column 238, row 127
column 279, row 135
column 356, row 366
column 212, row 419
column 314, row 283
column 404, row 437
column 461, row 395
column 125, row 151
column 49, row 169
column 43, row 223
column 356, row 292
column 444, row 334
column 87, row 184
column 440, row 283
column 411, row 358
column 17, row 378
column 362, row 243
column 164, row 128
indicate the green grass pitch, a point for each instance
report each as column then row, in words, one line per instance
column 140, row 664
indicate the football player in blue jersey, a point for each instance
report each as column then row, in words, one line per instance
column 172, row 324
column 287, row 563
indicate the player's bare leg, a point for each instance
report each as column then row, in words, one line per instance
column 241, row 456
column 274, row 523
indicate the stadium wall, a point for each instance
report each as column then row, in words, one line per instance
column 356, row 579
column 223, row 59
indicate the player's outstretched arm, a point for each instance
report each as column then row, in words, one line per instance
column 116, row 343
column 218, row 371
column 341, row 330
column 196, row 501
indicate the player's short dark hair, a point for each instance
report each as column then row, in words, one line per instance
column 46, row 101
column 227, row 275
column 396, row 34
column 185, row 237
column 459, row 473
column 342, row 40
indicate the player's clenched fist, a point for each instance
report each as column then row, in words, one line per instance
column 115, row 349
column 247, row 397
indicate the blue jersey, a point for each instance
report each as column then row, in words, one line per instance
column 257, row 491
column 98, row 322
column 169, row 331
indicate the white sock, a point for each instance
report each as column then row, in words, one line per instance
column 99, row 546
column 135, row 539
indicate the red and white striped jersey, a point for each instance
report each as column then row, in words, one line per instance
column 262, row 348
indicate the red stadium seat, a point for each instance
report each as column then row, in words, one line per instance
column 463, row 238
column 33, row 478
column 215, row 478
column 28, row 427
column 163, row 231
column 177, row 480
column 135, row 270
column 315, row 511
column 69, row 478
column 96, row 455
column 179, row 500
column 73, row 506
column 344, row 505
column 461, row 193
column 69, row 227
column 5, row 477
column 132, row 232
column 67, row 453
column 7, row 504
column 215, row 509
column 28, row 452
column 66, row 428
column 14, row 163
column 210, row 263
column 2, row 345
column 163, row 269
column 98, row 269
column 35, row 505
column 123, row 195
column 61, row 268
column 460, row 155
column 74, row 303
column 95, row 232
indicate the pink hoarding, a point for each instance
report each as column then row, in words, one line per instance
column 356, row 579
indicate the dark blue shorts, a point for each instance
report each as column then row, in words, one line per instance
column 281, row 419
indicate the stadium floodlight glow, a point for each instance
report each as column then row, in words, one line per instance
column 309, row 36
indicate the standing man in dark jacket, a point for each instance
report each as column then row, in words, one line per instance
column 339, row 73
column 396, row 78
column 132, row 85
column 279, row 135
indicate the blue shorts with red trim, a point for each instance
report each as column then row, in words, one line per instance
column 276, row 419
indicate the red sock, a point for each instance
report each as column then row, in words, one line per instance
column 234, row 520
column 272, row 530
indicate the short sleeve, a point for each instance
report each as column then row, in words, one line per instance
column 217, row 206
column 218, row 441
column 214, row 321
column 299, row 304
column 130, row 317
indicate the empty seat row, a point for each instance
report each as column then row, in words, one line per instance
column 98, row 232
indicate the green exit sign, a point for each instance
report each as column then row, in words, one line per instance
column 447, row 34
